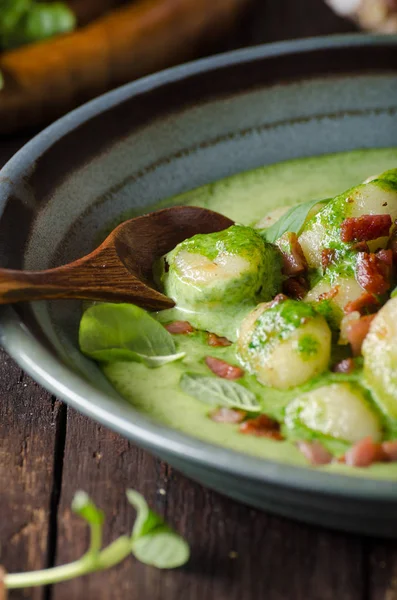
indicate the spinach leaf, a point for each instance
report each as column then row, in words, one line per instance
column 219, row 392
column 293, row 220
column 152, row 541
column 113, row 332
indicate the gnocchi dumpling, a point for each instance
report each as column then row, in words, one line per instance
column 323, row 231
column 232, row 267
column 380, row 358
column 338, row 410
column 284, row 344
column 337, row 293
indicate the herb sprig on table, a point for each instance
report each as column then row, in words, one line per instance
column 152, row 542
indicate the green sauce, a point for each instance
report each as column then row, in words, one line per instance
column 246, row 198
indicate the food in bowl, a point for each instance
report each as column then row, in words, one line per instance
column 281, row 343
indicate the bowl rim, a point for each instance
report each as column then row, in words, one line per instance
column 49, row 372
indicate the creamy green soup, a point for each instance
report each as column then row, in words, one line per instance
column 246, row 198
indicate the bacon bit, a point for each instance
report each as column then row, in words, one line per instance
column 390, row 450
column 278, row 299
column 365, row 228
column 365, row 301
column 356, row 332
column 373, row 273
column 295, row 287
column 386, row 256
column 328, row 256
column 361, row 247
column 334, row 291
column 364, row 453
column 179, row 327
column 262, row 426
column 215, row 340
column 223, row 369
column 294, row 261
column 228, row 415
column 344, row 366
column 315, row 453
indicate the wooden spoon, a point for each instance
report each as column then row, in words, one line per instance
column 120, row 270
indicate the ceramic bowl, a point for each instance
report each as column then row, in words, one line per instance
column 161, row 136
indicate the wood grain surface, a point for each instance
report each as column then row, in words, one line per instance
column 47, row 452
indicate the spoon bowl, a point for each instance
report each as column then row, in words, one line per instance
column 121, row 268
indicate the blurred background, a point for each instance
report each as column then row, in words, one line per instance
column 56, row 55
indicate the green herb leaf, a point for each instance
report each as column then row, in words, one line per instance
column 292, row 221
column 162, row 548
column 219, row 392
column 152, row 541
column 146, row 519
column 113, row 332
column 83, row 506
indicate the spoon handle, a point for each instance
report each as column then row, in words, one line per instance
column 90, row 278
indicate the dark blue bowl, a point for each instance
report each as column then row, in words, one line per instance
column 163, row 135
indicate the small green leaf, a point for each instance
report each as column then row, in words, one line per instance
column 146, row 519
column 152, row 541
column 124, row 332
column 83, row 506
column 219, row 392
column 162, row 548
column 292, row 221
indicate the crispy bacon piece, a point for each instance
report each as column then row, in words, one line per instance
column 365, row 228
column 228, row 415
column 361, row 247
column 364, row 453
column 363, row 302
column 344, row 366
column 356, row 332
column 390, row 450
column 278, row 299
column 373, row 273
column 328, row 256
column 334, row 291
column 215, row 340
column 315, row 453
column 294, row 261
column 296, row 287
column 262, row 426
column 385, row 256
column 223, row 369
column 179, row 327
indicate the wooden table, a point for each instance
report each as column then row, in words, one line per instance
column 48, row 451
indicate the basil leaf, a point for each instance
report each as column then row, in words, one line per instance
column 292, row 221
column 162, row 548
column 219, row 392
column 112, row 332
column 83, row 506
column 152, row 541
